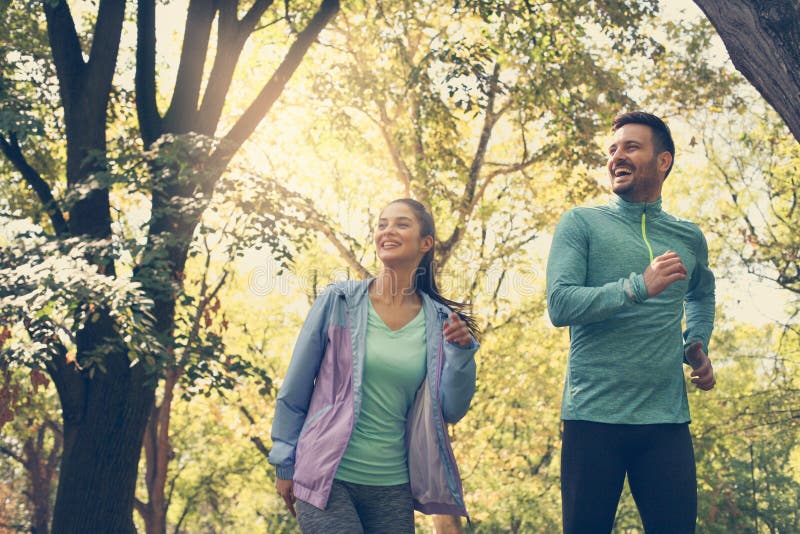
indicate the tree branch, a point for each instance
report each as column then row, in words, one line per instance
column 232, row 36
column 103, row 56
column 140, row 507
column 66, row 49
column 763, row 39
column 11, row 454
column 145, row 80
column 186, row 93
column 255, row 439
column 253, row 15
column 489, row 121
column 468, row 198
column 506, row 169
column 13, row 152
column 403, row 172
column 315, row 220
column 250, row 119
column 206, row 299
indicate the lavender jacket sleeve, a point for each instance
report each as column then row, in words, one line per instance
column 294, row 396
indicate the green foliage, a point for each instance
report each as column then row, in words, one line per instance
column 758, row 171
column 50, row 289
column 747, row 435
column 508, row 444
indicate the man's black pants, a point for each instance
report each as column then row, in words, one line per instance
column 659, row 462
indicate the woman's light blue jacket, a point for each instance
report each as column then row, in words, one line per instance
column 320, row 400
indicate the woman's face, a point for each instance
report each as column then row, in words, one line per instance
column 397, row 237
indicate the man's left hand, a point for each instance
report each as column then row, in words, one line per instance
column 702, row 372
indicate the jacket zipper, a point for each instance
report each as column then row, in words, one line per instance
column 644, row 233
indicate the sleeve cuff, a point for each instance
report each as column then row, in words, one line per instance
column 472, row 346
column 459, row 356
column 635, row 288
column 285, row 472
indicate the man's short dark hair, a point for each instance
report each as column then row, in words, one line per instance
column 662, row 137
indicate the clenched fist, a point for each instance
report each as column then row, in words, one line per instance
column 663, row 271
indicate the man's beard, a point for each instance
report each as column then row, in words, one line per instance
column 638, row 177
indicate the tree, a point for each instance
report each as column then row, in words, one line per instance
column 32, row 441
column 105, row 413
column 763, row 40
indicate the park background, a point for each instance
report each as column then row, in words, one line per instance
column 170, row 211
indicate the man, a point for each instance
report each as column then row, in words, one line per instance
column 620, row 276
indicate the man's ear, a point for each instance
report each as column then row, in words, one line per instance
column 664, row 161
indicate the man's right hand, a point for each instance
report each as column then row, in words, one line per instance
column 286, row 490
column 663, row 271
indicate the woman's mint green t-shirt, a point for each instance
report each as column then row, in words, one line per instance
column 394, row 368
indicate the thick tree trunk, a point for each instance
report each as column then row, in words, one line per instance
column 104, row 416
column 101, row 447
column 98, row 472
column 763, row 40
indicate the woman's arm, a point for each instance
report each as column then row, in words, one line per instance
column 295, row 393
column 458, row 374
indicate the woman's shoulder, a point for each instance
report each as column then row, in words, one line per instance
column 350, row 290
column 440, row 307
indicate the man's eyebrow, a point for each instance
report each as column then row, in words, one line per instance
column 625, row 143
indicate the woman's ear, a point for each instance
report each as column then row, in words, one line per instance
column 426, row 244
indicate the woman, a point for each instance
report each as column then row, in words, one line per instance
column 380, row 366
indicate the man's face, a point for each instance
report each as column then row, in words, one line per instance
column 635, row 170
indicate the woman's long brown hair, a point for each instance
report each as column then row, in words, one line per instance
column 425, row 277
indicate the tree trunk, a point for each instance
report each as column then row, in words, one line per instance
column 40, row 465
column 447, row 524
column 763, row 40
column 104, row 415
column 157, row 455
column 101, row 447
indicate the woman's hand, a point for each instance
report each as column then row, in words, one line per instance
column 286, row 490
column 456, row 331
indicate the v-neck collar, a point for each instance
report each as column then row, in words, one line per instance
column 415, row 319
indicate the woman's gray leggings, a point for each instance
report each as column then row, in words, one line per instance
column 360, row 509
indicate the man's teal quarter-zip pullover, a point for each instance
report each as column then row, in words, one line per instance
column 627, row 350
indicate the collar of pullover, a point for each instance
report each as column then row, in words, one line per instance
column 635, row 209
